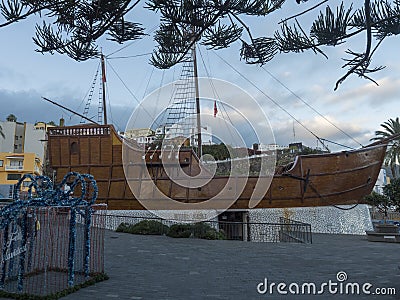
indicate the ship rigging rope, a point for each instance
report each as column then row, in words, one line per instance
column 88, row 91
column 215, row 92
column 270, row 98
column 151, row 30
column 341, row 145
column 311, row 107
column 128, row 89
column 131, row 56
column 182, row 100
column 334, row 205
column 108, row 97
column 158, row 96
column 345, row 208
column 148, row 83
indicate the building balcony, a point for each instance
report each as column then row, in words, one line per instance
column 14, row 168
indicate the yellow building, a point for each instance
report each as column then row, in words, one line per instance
column 14, row 165
column 42, row 126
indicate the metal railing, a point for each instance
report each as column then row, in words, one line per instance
column 13, row 168
column 45, row 258
column 80, row 130
column 295, row 231
column 286, row 230
column 391, row 215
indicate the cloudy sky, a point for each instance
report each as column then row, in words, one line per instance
column 358, row 107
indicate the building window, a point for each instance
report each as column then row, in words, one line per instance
column 15, row 147
column 1, row 163
column 74, row 148
column 13, row 176
column 16, row 137
column 17, row 163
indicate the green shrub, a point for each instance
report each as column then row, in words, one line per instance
column 145, row 227
column 180, row 231
column 205, row 231
column 149, row 227
column 123, row 227
column 197, row 230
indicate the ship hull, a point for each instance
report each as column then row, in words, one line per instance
column 314, row 180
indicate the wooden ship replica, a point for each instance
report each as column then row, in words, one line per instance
column 341, row 178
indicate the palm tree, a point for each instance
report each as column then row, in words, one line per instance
column 11, row 118
column 393, row 154
column 2, row 133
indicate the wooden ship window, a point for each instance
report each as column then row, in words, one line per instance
column 74, row 148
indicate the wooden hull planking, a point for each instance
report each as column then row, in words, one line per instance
column 314, row 180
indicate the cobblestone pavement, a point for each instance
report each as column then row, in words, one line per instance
column 159, row 267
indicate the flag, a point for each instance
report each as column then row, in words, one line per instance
column 215, row 109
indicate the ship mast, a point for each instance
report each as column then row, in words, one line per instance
column 103, row 81
column 197, row 96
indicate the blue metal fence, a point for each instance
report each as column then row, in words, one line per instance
column 53, row 239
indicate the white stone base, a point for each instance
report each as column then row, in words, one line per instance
column 324, row 219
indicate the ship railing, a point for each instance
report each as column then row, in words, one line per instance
column 80, row 131
column 284, row 231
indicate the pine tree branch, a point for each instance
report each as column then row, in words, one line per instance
column 119, row 14
column 195, row 38
column 28, row 13
column 366, row 55
column 303, row 12
column 243, row 24
column 78, row 41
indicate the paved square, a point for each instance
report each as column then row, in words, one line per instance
column 158, row 267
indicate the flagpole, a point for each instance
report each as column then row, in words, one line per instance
column 103, row 77
column 196, row 83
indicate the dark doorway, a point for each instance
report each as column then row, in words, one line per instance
column 231, row 222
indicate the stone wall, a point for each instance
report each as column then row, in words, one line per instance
column 327, row 219
column 323, row 219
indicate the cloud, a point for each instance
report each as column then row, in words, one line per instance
column 288, row 131
column 387, row 92
column 29, row 107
